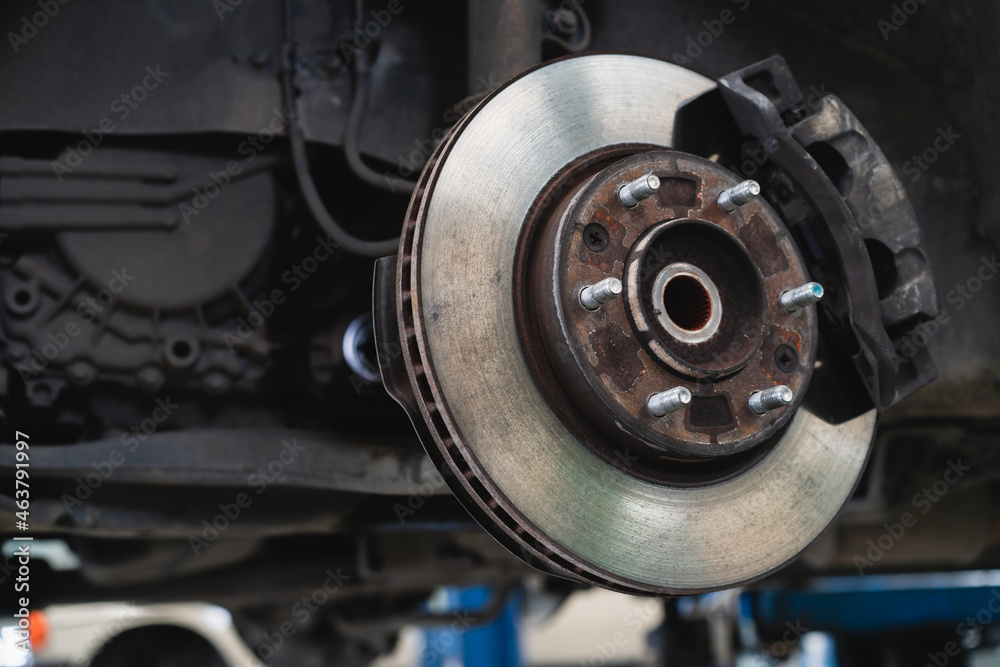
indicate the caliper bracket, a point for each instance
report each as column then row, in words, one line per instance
column 858, row 231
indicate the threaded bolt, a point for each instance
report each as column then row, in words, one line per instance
column 801, row 296
column 596, row 295
column 662, row 404
column 632, row 193
column 770, row 399
column 741, row 193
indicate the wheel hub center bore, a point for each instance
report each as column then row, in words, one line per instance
column 695, row 298
column 651, row 309
column 687, row 303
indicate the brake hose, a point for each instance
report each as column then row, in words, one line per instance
column 300, row 161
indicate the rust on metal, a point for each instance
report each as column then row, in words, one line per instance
column 607, row 363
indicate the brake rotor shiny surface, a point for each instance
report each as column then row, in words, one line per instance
column 504, row 441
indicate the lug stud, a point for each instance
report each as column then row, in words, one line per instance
column 594, row 296
column 770, row 399
column 632, row 193
column 801, row 296
column 662, row 404
column 741, row 193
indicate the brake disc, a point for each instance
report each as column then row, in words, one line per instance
column 613, row 432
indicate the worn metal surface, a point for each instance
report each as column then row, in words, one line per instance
column 610, row 361
column 505, row 453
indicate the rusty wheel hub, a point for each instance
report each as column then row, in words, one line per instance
column 700, row 307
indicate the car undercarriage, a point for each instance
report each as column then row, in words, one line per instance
column 373, row 298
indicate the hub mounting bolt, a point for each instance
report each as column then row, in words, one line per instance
column 770, row 399
column 632, row 193
column 598, row 294
column 662, row 404
column 801, row 296
column 739, row 194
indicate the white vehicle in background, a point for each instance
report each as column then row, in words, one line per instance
column 119, row 634
column 11, row 652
